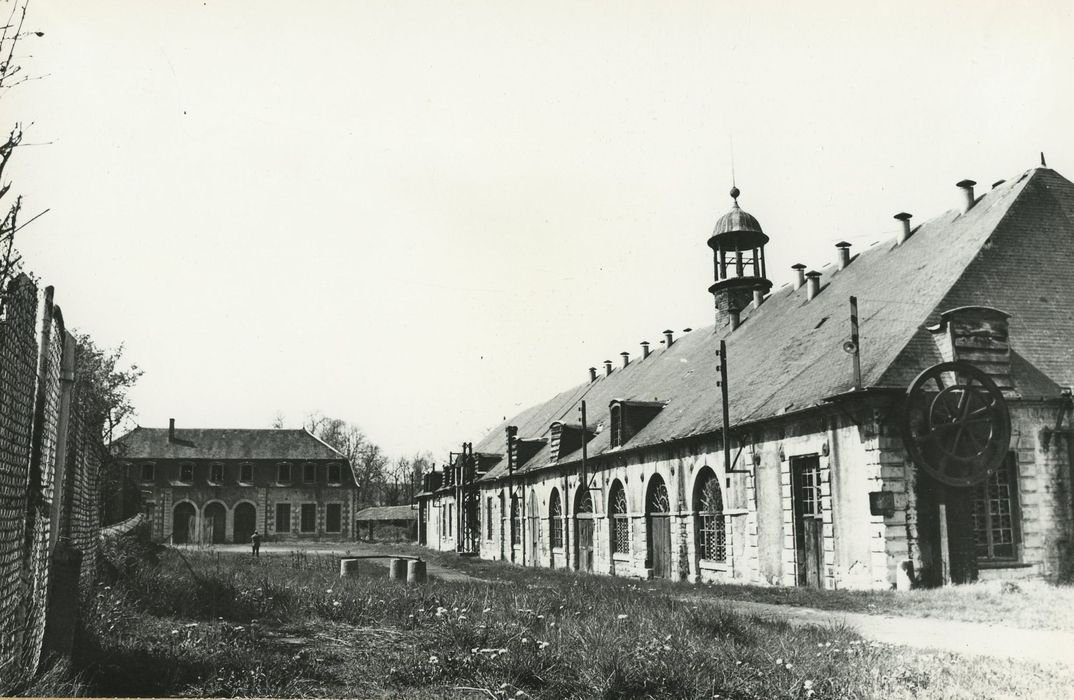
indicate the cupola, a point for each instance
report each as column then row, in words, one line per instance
column 737, row 244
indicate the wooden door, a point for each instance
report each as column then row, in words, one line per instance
column 658, row 525
column 583, row 541
column 660, row 545
column 808, row 521
column 245, row 522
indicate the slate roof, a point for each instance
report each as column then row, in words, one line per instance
column 387, row 513
column 224, row 443
column 786, row 356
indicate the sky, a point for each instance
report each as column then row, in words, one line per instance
column 424, row 217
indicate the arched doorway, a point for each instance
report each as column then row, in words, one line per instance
column 535, row 529
column 658, row 527
column 619, row 523
column 245, row 522
column 214, row 522
column 583, row 529
column 184, row 522
column 711, row 530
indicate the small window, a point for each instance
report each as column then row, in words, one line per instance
column 488, row 518
column 309, row 517
column 283, row 473
column 186, row 472
column 309, row 473
column 246, row 472
column 333, row 517
column 216, row 472
column 335, row 473
column 149, row 472
column 450, row 518
column 283, row 517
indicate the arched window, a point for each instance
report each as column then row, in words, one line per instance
column 516, row 521
column 555, row 519
column 708, row 502
column 617, row 509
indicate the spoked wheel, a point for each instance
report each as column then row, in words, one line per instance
column 956, row 425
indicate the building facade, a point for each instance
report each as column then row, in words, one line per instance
column 216, row 486
column 900, row 418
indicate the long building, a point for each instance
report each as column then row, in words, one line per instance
column 899, row 418
column 219, row 485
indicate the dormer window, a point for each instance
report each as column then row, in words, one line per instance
column 567, row 439
column 216, row 472
column 629, row 417
column 186, row 472
column 283, row 473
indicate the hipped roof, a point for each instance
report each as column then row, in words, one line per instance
column 786, row 356
column 224, row 443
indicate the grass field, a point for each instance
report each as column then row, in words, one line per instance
column 1028, row 605
column 287, row 626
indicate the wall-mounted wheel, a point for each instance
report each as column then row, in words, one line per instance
column 955, row 423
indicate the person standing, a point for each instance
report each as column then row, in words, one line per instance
column 255, row 543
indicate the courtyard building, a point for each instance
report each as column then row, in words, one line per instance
column 898, row 417
column 218, row 485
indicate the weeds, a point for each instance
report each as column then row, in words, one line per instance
column 289, row 626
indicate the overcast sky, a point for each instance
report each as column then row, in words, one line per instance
column 425, row 216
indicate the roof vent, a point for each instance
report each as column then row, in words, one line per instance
column 813, row 285
column 799, row 278
column 592, row 374
column 997, row 183
column 626, row 357
column 607, row 368
column 758, row 297
column 687, row 330
column 967, row 189
column 669, row 338
column 644, row 349
column 171, row 430
column 843, row 255
column 905, row 233
column 734, row 318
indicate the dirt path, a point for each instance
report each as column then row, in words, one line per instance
column 970, row 638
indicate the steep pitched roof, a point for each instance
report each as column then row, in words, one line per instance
column 224, row 443
column 786, row 356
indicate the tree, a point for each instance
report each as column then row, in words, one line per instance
column 367, row 460
column 104, row 400
column 403, row 478
column 11, row 75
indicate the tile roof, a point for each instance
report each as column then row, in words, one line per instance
column 786, row 355
column 224, row 443
column 387, row 513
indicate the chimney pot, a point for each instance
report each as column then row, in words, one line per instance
column 758, row 297
column 905, row 233
column 799, row 278
column 171, row 430
column 592, row 374
column 813, row 285
column 733, row 318
column 967, row 189
column 626, row 357
column 843, row 254
column 607, row 368
column 644, row 349
column 668, row 338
